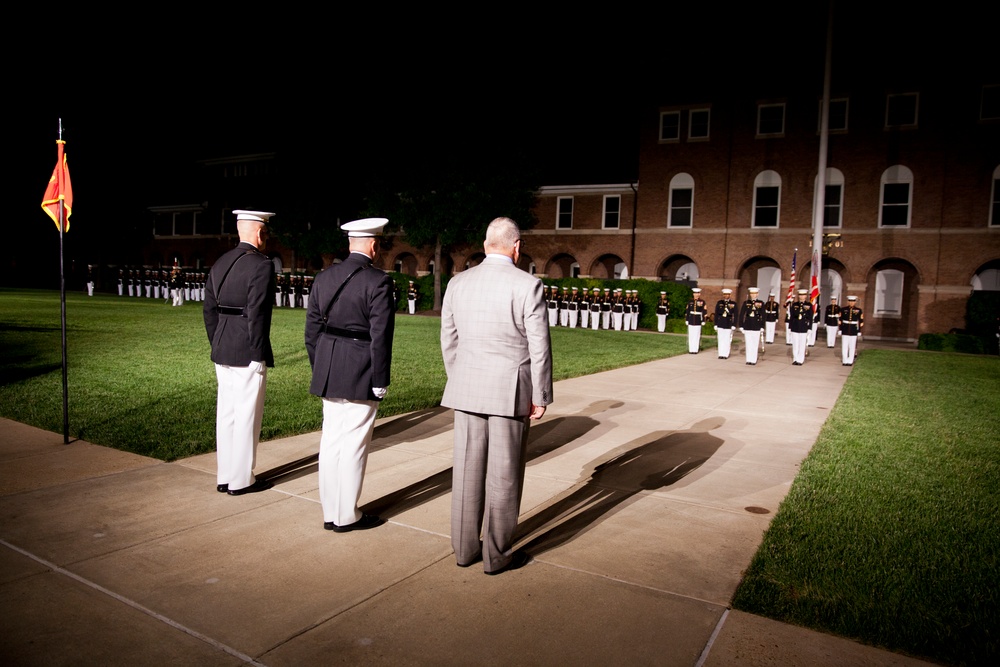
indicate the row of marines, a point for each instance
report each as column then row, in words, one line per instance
column 611, row 309
column 161, row 283
column 754, row 317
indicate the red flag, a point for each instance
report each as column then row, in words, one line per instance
column 59, row 188
column 814, row 294
column 791, row 284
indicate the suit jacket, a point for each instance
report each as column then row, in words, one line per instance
column 345, row 366
column 243, row 278
column 495, row 341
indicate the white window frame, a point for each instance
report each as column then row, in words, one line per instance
column 674, row 139
column 767, row 179
column 617, row 214
column 560, row 214
column 681, row 181
column 889, row 293
column 771, row 105
column 916, row 110
column 847, row 116
column 833, row 177
column 708, row 124
column 894, row 175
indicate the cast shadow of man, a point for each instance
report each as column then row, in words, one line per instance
column 410, row 427
column 663, row 459
column 543, row 439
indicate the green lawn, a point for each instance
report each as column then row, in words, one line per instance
column 890, row 533
column 140, row 377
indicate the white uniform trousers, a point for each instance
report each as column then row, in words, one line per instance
column 849, row 345
column 812, row 333
column 694, row 337
column 751, row 340
column 553, row 317
column 769, row 328
column 799, row 343
column 725, row 341
column 343, row 455
column 563, row 317
column 571, row 318
column 605, row 319
column 305, row 302
column 239, row 409
column 487, row 479
column 788, row 334
column 831, row 336
column 584, row 317
column 661, row 323
column 595, row 320
column 411, row 305
column 617, row 318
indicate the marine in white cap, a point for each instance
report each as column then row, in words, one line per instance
column 852, row 320
column 411, row 298
column 239, row 295
column 832, row 321
column 800, row 317
column 349, row 329
column 726, row 314
column 662, row 312
column 751, row 323
column 695, row 313
column 771, row 313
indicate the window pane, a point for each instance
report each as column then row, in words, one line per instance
column 670, row 125
column 896, row 193
column 681, row 197
column 894, row 216
column 680, row 217
column 771, row 119
column 767, row 196
column 766, row 217
column 838, row 115
column 699, row 123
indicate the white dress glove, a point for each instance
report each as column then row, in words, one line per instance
column 379, row 391
column 258, row 367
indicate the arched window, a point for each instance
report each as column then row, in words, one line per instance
column 889, row 293
column 681, row 211
column 766, row 199
column 897, row 197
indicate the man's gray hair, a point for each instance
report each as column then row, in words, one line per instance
column 502, row 234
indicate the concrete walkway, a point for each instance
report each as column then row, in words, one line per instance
column 647, row 492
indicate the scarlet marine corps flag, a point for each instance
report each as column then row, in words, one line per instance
column 59, row 188
column 814, row 294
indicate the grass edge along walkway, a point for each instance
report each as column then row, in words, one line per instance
column 890, row 533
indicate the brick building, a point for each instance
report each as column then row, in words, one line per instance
column 727, row 184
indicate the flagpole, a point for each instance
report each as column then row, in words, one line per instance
column 62, row 311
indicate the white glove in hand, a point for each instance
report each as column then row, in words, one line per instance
column 379, row 391
column 258, row 367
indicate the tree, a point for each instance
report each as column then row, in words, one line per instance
column 450, row 203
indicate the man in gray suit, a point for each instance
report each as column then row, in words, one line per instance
column 349, row 329
column 497, row 355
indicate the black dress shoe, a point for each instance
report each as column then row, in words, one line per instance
column 364, row 523
column 517, row 561
column 222, row 488
column 259, row 485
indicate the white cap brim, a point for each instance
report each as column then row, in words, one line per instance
column 256, row 216
column 364, row 227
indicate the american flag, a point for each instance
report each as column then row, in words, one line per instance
column 791, row 284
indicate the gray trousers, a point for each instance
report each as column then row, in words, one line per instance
column 488, row 476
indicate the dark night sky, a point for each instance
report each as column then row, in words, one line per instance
column 356, row 96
